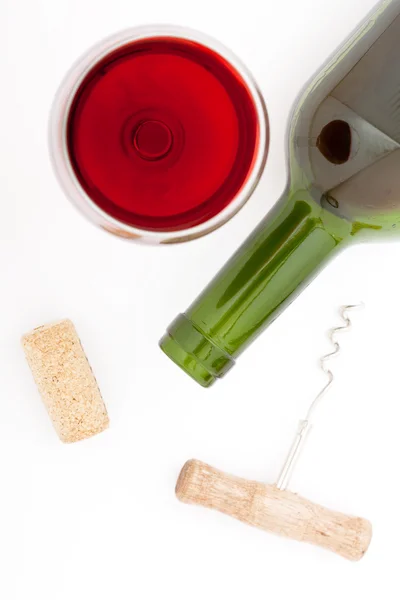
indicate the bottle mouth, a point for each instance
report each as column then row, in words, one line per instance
column 194, row 352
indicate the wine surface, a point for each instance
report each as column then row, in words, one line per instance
column 162, row 133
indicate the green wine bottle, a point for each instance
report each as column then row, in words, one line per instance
column 344, row 187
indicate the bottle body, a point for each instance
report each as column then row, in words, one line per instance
column 344, row 165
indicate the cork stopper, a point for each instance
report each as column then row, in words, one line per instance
column 65, row 381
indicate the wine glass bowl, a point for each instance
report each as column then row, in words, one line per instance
column 159, row 134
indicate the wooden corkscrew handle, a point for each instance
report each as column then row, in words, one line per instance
column 276, row 511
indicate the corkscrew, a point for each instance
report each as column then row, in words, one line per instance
column 272, row 507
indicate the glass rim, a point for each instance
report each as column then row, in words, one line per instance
column 58, row 137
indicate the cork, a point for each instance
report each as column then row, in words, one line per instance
column 65, row 381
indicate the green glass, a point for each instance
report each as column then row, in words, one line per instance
column 344, row 187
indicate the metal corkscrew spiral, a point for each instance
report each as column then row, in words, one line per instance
column 306, row 423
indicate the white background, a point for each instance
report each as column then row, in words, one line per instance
column 99, row 520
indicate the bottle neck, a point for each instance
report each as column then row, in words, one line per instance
column 268, row 271
column 272, row 267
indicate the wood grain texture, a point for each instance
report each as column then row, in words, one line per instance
column 65, row 381
column 268, row 508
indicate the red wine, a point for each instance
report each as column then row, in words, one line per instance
column 162, row 133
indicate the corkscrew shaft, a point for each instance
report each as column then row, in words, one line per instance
column 306, row 424
column 293, row 455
